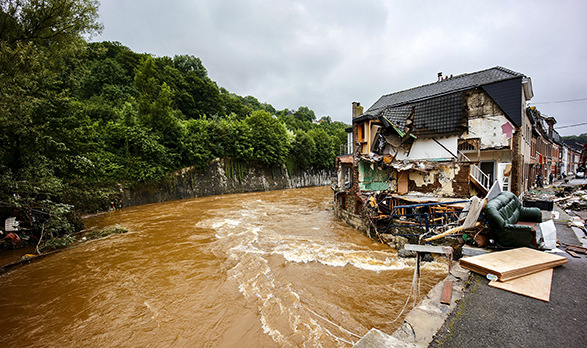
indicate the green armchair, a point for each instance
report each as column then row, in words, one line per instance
column 503, row 213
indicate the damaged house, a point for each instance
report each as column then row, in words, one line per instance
column 441, row 141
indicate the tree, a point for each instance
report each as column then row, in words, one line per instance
column 186, row 64
column 197, row 150
column 269, row 138
column 135, row 153
column 305, row 114
column 237, row 138
column 303, row 149
column 232, row 104
column 325, row 154
column 36, row 37
column 43, row 139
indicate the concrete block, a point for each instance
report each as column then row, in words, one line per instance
column 378, row 339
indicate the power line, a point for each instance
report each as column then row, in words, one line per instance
column 561, row 101
column 572, row 125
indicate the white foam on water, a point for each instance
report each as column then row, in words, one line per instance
column 283, row 316
column 338, row 255
column 216, row 223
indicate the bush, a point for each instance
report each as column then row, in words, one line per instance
column 97, row 234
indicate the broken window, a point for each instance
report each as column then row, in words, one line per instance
column 372, row 178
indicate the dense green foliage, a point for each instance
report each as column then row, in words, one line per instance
column 78, row 119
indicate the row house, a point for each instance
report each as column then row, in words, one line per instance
column 550, row 157
column 572, row 156
column 451, row 138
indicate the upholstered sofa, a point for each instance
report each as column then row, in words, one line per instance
column 506, row 216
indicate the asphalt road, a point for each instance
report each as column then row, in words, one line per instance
column 490, row 317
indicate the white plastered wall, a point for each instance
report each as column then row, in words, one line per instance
column 494, row 131
column 428, row 149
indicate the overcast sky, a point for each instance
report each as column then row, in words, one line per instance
column 325, row 54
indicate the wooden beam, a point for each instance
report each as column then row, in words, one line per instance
column 449, row 232
column 436, row 249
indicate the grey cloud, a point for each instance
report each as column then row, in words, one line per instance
column 326, row 54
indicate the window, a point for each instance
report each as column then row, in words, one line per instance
column 361, row 133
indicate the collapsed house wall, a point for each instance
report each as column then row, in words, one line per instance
column 372, row 177
column 452, row 138
column 487, row 122
column 493, row 132
column 354, row 220
column 438, row 180
column 427, row 149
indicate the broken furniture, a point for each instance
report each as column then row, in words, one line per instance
column 540, row 204
column 471, row 217
column 425, row 214
column 506, row 215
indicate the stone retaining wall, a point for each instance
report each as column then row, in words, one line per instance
column 223, row 176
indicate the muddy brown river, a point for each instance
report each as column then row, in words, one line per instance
column 266, row 269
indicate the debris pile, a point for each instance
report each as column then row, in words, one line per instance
column 397, row 220
column 575, row 250
column 577, row 201
column 543, row 194
column 504, row 223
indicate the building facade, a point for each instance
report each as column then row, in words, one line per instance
column 452, row 138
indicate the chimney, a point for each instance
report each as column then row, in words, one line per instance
column 357, row 109
column 439, row 76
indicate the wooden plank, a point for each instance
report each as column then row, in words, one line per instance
column 573, row 254
column 536, row 285
column 513, row 263
column 402, row 182
column 449, row 232
column 474, row 212
column 444, row 234
column 574, row 246
column 577, row 249
column 446, row 292
column 436, row 249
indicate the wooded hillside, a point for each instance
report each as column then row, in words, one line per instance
column 79, row 118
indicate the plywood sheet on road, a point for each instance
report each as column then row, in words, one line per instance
column 536, row 285
column 513, row 263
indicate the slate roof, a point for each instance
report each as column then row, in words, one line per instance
column 449, row 85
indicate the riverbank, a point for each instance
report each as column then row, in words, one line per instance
column 222, row 176
column 423, row 322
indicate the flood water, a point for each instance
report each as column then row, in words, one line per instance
column 266, row 269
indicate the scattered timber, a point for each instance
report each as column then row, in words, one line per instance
column 511, row 264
